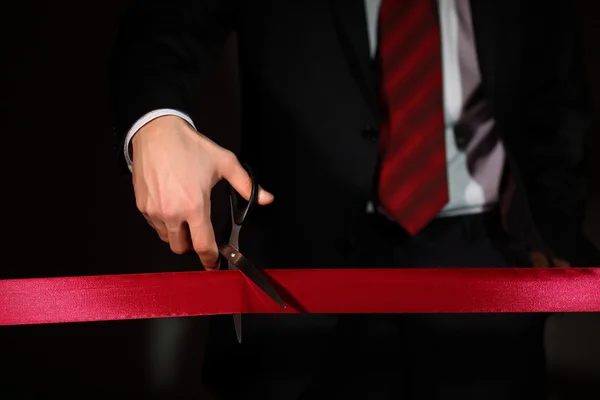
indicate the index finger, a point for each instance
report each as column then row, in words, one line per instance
column 203, row 239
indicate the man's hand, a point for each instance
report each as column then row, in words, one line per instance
column 174, row 171
column 541, row 260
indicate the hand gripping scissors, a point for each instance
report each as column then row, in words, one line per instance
column 231, row 252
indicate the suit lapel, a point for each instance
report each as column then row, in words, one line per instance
column 499, row 36
column 499, row 28
column 486, row 43
column 351, row 26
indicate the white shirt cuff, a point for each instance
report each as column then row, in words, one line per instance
column 143, row 121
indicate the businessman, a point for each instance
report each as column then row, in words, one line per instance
column 391, row 133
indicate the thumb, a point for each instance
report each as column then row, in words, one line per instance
column 239, row 178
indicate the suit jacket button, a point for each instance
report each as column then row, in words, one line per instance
column 371, row 134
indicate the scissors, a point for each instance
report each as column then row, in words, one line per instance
column 231, row 252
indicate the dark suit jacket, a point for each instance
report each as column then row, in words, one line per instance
column 310, row 111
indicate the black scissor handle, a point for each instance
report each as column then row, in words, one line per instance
column 238, row 209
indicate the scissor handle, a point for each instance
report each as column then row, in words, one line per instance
column 240, row 213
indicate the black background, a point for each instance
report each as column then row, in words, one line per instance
column 69, row 210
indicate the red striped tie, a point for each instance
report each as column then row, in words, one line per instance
column 412, row 185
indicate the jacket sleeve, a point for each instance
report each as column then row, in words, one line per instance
column 163, row 50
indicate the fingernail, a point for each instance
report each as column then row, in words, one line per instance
column 213, row 266
column 263, row 195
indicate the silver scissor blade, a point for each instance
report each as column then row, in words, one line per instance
column 237, row 318
column 259, row 280
column 237, row 323
column 238, row 260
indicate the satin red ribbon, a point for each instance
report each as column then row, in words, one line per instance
column 119, row 297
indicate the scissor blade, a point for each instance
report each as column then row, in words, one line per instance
column 237, row 318
column 259, row 280
column 243, row 264
column 237, row 323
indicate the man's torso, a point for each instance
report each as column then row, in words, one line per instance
column 311, row 117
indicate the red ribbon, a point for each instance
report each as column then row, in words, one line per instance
column 119, row 297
